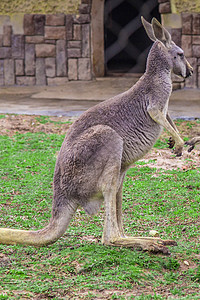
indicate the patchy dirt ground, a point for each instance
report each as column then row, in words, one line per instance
column 157, row 158
column 12, row 124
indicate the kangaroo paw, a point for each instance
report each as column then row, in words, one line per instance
column 192, row 143
column 171, row 143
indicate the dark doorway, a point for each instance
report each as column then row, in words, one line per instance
column 126, row 43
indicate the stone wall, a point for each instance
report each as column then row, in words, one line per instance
column 53, row 49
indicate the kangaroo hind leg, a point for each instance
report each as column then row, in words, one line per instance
column 113, row 228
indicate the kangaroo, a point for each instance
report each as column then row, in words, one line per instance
column 104, row 142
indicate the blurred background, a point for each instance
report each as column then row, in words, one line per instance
column 126, row 43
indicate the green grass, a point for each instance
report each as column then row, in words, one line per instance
column 77, row 265
column 46, row 119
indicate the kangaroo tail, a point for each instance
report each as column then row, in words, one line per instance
column 48, row 235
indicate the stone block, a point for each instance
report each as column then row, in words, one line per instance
column 7, row 33
column 5, row 52
column 198, row 77
column 18, row 45
column 76, row 32
column 40, row 71
column 176, row 36
column 61, row 66
column 9, row 77
column 84, row 8
column 176, row 86
column 1, row 80
column 30, row 59
column 55, row 32
column 19, row 67
column 50, row 66
column 1, row 66
column 84, row 69
column 196, row 23
column 186, row 44
column 57, row 81
column 196, row 39
column 165, row 8
column 1, row 72
column 73, row 69
column 45, row 50
column 34, row 24
column 87, row 1
column 81, row 19
column 35, row 39
column 191, row 82
column 50, row 41
column 73, row 52
column 39, row 22
column 25, row 80
column 55, row 20
column 196, row 50
column 86, row 40
column 198, row 61
column 186, row 23
column 29, row 26
column 1, row 40
column 74, row 44
column 68, row 26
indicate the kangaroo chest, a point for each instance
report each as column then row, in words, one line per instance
column 139, row 140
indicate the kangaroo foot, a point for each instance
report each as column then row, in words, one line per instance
column 178, row 151
column 151, row 244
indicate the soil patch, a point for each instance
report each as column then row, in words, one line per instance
column 12, row 124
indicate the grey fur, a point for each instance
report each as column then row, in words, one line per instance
column 105, row 141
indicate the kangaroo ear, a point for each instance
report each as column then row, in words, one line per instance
column 149, row 29
column 161, row 33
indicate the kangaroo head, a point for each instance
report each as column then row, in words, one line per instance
column 174, row 54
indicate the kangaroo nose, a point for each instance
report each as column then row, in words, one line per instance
column 189, row 72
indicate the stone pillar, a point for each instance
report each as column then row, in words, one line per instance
column 30, row 59
column 40, row 71
column 191, row 45
column 1, row 72
column 9, row 74
column 61, row 59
